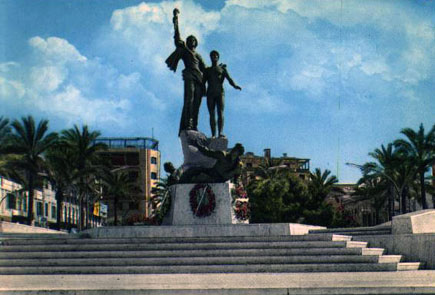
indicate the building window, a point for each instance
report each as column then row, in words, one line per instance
column 153, row 175
column 38, row 209
column 153, row 160
column 46, row 209
column 12, row 201
column 53, row 211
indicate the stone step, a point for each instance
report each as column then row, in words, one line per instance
column 351, row 283
column 390, row 258
column 174, row 246
column 356, row 231
column 123, row 253
column 419, row 290
column 228, row 268
column 4, row 236
column 408, row 266
column 59, row 240
column 136, row 261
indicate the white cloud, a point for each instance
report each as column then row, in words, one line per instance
column 147, row 29
column 255, row 99
column 46, row 78
column 373, row 67
column 71, row 104
column 64, row 83
column 6, row 66
column 403, row 43
column 10, row 89
column 56, row 50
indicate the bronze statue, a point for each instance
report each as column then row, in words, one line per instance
column 173, row 174
column 192, row 76
column 214, row 76
column 227, row 166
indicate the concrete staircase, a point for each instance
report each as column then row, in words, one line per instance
column 205, row 265
column 305, row 253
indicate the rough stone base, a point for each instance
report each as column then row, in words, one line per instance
column 193, row 157
column 181, row 212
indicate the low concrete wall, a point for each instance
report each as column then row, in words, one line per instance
column 302, row 229
column 269, row 229
column 9, row 227
column 418, row 222
column 413, row 247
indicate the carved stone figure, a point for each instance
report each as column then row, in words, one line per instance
column 226, row 167
column 192, row 76
column 214, row 76
column 173, row 174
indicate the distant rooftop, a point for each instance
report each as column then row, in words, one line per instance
column 129, row 142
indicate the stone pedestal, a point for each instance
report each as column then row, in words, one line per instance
column 193, row 157
column 181, row 212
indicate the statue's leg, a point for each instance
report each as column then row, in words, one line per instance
column 197, row 96
column 220, row 101
column 211, row 105
column 189, row 91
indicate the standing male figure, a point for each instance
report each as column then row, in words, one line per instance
column 214, row 76
column 192, row 76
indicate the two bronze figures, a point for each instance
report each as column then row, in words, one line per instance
column 199, row 80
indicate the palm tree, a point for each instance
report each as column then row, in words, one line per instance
column 269, row 168
column 84, row 150
column 420, row 147
column 30, row 141
column 4, row 133
column 117, row 186
column 383, row 168
column 395, row 168
column 4, row 128
column 322, row 184
column 61, row 174
column 161, row 199
column 375, row 190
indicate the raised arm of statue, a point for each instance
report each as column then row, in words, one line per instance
column 230, row 80
column 177, row 38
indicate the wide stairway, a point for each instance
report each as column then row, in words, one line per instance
column 285, row 257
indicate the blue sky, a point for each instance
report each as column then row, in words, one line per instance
column 325, row 80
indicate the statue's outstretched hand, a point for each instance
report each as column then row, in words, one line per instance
column 176, row 12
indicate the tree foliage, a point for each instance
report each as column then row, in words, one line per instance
column 419, row 147
column 29, row 141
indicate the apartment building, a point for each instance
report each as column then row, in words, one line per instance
column 140, row 158
column 14, row 202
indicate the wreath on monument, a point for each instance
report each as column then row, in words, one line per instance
column 202, row 200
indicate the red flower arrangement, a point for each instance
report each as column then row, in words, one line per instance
column 202, row 200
